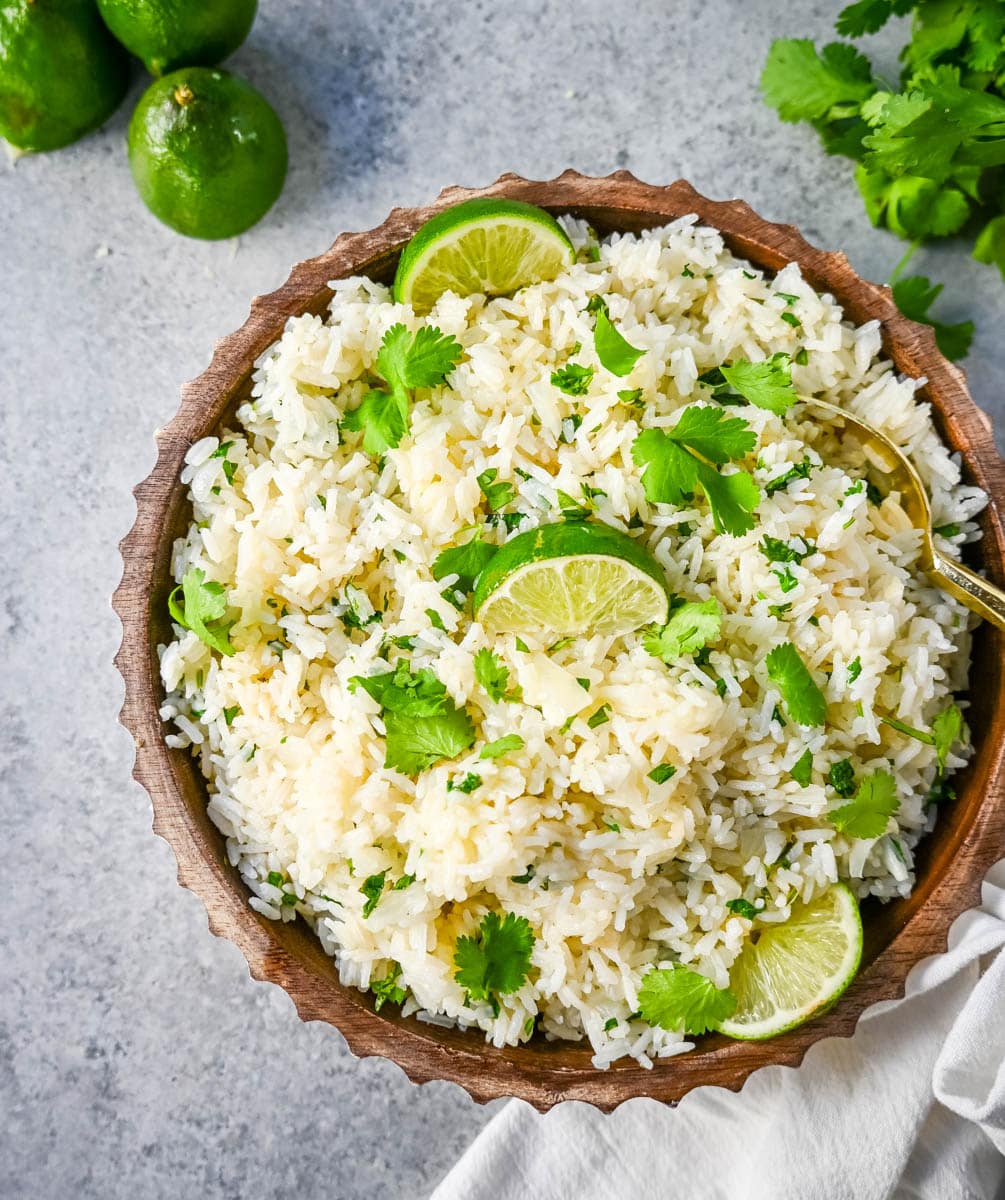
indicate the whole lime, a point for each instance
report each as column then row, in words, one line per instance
column 167, row 34
column 207, row 152
column 62, row 74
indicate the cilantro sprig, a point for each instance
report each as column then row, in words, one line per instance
column 201, row 606
column 868, row 812
column 678, row 998
column 692, row 626
column 422, row 725
column 466, row 562
column 765, row 384
column 677, row 461
column 947, row 727
column 495, row 961
column 493, row 675
column 406, row 361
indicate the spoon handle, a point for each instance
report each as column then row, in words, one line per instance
column 972, row 589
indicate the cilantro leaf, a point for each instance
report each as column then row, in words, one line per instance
column 382, row 417
column 990, row 244
column 804, row 701
column 678, row 998
column 422, row 725
column 411, row 694
column 497, row 495
column 405, row 361
column 616, row 354
column 414, row 744
column 767, row 384
column 421, row 360
column 386, row 990
column 466, row 562
column 676, row 461
column 868, row 16
column 572, row 379
column 914, row 296
column 800, row 471
column 691, row 627
column 802, row 769
column 492, row 675
column 866, row 815
column 470, row 783
column 501, row 746
column 372, row 889
column 201, row 607
column 496, row 960
column 805, row 86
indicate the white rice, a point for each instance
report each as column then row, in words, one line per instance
column 296, row 778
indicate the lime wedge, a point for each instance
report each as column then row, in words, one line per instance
column 796, row 970
column 574, row 577
column 491, row 246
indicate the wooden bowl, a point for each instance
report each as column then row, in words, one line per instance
column 952, row 861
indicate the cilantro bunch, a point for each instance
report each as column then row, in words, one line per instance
column 928, row 152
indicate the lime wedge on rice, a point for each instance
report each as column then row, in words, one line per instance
column 796, row 970
column 571, row 578
column 491, row 246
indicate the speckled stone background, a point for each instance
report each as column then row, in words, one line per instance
column 137, row 1057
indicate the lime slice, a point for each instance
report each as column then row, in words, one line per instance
column 490, row 246
column 574, row 577
column 796, row 970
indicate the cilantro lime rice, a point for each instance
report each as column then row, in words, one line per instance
column 511, row 831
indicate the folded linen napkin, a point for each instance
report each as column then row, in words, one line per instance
column 912, row 1107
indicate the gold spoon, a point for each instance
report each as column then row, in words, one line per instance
column 883, row 456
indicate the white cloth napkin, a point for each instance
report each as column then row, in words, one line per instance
column 912, row 1107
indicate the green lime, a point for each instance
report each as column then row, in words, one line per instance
column 574, row 577
column 794, row 971
column 207, row 152
column 490, row 246
column 167, row 34
column 62, row 74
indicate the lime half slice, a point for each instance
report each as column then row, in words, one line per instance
column 796, row 970
column 571, row 578
column 490, row 246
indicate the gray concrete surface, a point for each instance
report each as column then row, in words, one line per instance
column 137, row 1058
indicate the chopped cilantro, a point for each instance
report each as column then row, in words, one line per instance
column 570, row 426
column 230, row 713
column 803, row 699
column 497, row 494
column 406, row 361
column 854, row 669
column 600, row 717
column 775, row 550
column 526, row 877
column 276, row 878
column 372, row 889
column 679, row 460
column 867, row 814
column 570, row 508
column 678, row 998
column 386, row 990
column 632, row 397
column 405, row 881
column 201, row 607
column 501, row 746
column 573, row 379
column 692, row 626
column 662, row 773
column 436, row 620
column 496, row 960
column 466, row 785
column 611, row 1023
column 790, row 319
column 786, row 580
column 802, row 769
column 743, row 908
column 947, row 531
column 800, row 471
column 615, row 353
